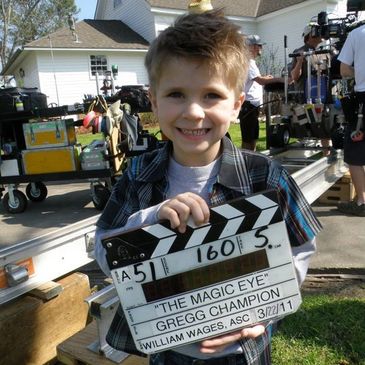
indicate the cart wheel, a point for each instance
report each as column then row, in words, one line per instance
column 100, row 196
column 37, row 195
column 279, row 135
column 19, row 205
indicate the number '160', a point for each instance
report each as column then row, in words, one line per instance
column 226, row 249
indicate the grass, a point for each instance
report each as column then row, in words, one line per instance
column 235, row 133
column 85, row 139
column 326, row 330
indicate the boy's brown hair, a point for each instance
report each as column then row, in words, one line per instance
column 208, row 37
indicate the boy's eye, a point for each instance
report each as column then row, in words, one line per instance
column 175, row 94
column 213, row 96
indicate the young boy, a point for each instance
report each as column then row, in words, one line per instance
column 196, row 68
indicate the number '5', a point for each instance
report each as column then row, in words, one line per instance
column 139, row 272
column 259, row 235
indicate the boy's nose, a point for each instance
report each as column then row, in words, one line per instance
column 194, row 111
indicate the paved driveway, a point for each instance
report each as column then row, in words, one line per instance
column 66, row 203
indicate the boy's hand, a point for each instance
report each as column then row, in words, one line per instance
column 178, row 210
column 219, row 343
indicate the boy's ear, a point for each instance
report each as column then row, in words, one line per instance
column 152, row 100
column 237, row 105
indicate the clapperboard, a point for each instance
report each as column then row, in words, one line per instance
column 232, row 273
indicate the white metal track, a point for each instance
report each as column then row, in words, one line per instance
column 54, row 255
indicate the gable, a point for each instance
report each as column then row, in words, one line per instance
column 269, row 6
column 93, row 34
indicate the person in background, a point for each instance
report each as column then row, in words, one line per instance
column 196, row 69
column 352, row 58
column 250, row 111
column 299, row 65
column 298, row 71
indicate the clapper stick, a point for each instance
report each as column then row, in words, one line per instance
column 178, row 288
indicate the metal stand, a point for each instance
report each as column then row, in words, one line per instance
column 102, row 306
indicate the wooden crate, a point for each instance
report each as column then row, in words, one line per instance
column 339, row 192
column 74, row 351
column 32, row 327
column 346, row 178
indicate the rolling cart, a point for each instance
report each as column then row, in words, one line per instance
column 15, row 127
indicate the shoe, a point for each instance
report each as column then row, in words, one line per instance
column 352, row 208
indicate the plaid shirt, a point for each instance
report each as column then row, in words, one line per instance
column 242, row 172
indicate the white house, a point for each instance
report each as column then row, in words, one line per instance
column 64, row 65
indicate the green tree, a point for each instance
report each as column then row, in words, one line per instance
column 22, row 21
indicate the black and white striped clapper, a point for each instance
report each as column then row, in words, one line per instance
column 232, row 218
column 215, row 278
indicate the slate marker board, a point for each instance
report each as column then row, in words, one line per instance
column 231, row 273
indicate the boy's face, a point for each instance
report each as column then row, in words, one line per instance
column 194, row 110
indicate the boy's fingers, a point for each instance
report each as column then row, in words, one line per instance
column 175, row 211
column 170, row 214
column 198, row 208
column 219, row 343
column 253, row 332
column 179, row 209
column 189, row 204
column 216, row 343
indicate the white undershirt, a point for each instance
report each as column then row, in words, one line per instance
column 198, row 180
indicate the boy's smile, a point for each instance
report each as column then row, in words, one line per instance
column 194, row 107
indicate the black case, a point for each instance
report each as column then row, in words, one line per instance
column 31, row 98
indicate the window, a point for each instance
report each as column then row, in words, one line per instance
column 98, row 64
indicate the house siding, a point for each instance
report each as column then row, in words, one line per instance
column 66, row 78
column 272, row 30
column 162, row 22
column 247, row 28
column 131, row 68
column 73, row 76
column 31, row 79
column 136, row 14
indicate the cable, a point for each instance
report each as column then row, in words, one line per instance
column 258, row 106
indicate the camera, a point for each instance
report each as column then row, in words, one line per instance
column 334, row 28
column 339, row 28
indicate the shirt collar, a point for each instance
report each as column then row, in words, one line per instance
column 157, row 166
column 232, row 174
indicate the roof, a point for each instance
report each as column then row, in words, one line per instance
column 269, row 6
column 241, row 8
column 97, row 34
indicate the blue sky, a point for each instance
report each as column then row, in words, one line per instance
column 87, row 9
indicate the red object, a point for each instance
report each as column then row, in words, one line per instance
column 357, row 136
column 90, row 116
